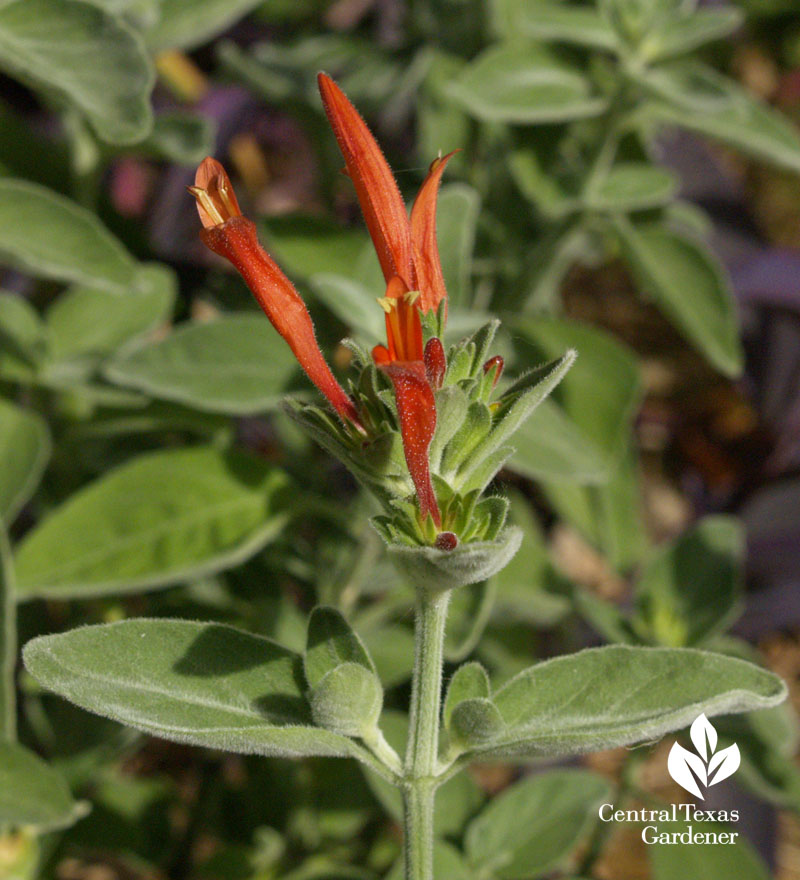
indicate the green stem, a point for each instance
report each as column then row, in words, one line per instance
column 423, row 736
column 8, row 644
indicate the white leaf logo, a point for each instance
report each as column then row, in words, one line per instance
column 708, row 766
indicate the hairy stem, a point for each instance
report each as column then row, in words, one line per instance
column 8, row 644
column 423, row 736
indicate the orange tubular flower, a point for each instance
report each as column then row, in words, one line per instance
column 409, row 258
column 226, row 232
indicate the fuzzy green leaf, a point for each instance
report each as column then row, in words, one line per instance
column 72, row 321
column 680, row 860
column 729, row 113
column 567, row 440
column 330, row 642
column 618, row 695
column 683, row 34
column 689, row 285
column 160, row 519
column 24, row 451
column 532, row 827
column 566, row 23
column 690, row 589
column 33, row 793
column 524, row 84
column 186, row 24
column 469, row 681
column 199, row 683
column 47, row 235
column 235, row 365
column 81, row 53
column 347, row 700
column 633, row 186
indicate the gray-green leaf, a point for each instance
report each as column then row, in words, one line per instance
column 330, row 642
column 24, row 453
column 524, row 84
column 617, row 695
column 690, row 589
column 47, row 235
column 160, row 519
column 734, row 116
column 532, row 827
column 90, row 58
column 200, row 683
column 33, row 793
column 566, row 439
column 235, row 365
column 689, row 285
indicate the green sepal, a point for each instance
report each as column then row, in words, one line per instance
column 433, row 571
column 331, row 641
column 469, row 682
column 475, row 722
column 348, row 700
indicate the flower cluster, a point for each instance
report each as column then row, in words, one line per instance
column 418, row 426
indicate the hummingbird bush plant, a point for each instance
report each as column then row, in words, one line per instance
column 425, row 427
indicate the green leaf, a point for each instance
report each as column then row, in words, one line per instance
column 456, row 224
column 768, row 767
column 22, row 336
column 469, row 681
column 689, row 285
column 681, row 35
column 352, row 303
column 347, row 700
column 235, row 365
column 531, row 828
column 160, row 519
column 633, row 186
column 8, row 644
column 79, row 52
column 579, row 434
column 180, row 136
column 330, row 642
column 51, row 237
column 529, row 588
column 524, row 84
column 199, row 683
column 75, row 330
column 392, row 650
column 306, row 245
column 690, row 589
column 608, row 515
column 711, row 861
column 33, row 793
column 618, row 695
column 468, row 615
column 732, row 115
column 514, row 408
column 24, row 452
column 186, row 24
column 566, row 23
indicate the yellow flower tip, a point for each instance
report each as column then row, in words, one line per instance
column 411, row 296
column 216, row 200
column 386, row 303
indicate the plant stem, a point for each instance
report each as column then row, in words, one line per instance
column 423, row 737
column 8, row 644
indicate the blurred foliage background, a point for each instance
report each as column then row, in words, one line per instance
column 629, row 184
